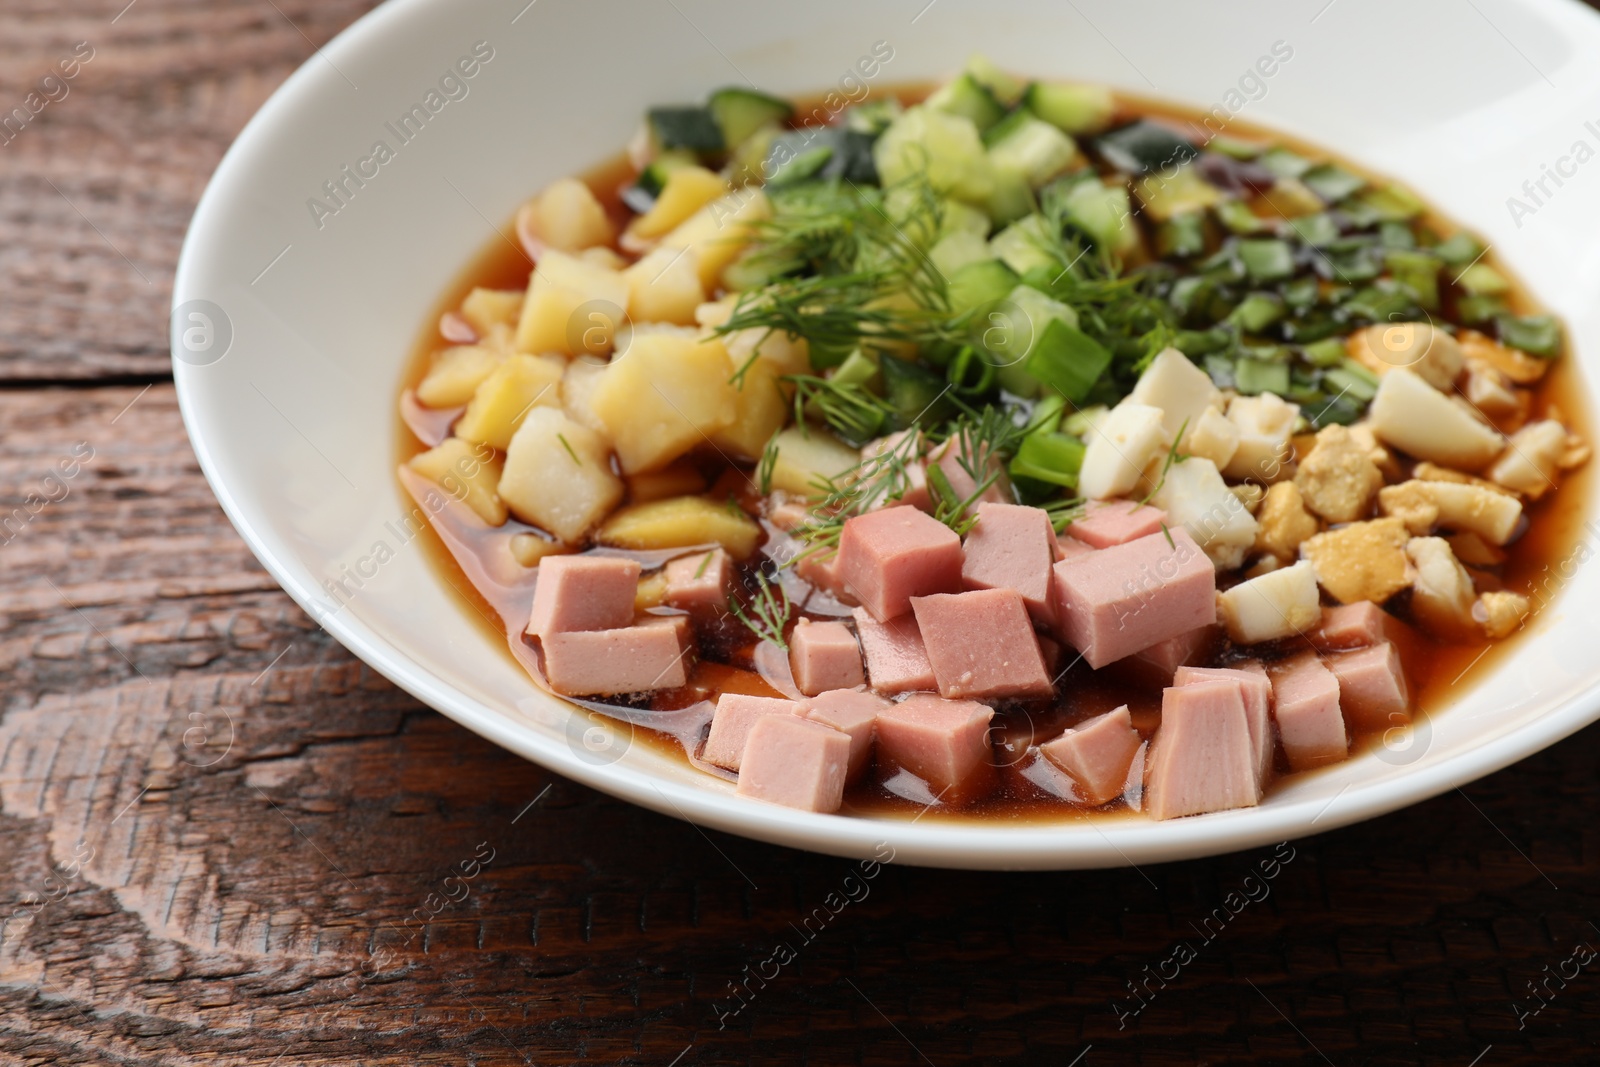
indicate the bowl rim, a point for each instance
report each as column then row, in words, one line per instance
column 970, row 845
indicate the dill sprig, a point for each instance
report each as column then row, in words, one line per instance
column 768, row 612
column 949, row 507
column 1173, row 456
column 768, row 464
column 849, row 409
column 1064, row 513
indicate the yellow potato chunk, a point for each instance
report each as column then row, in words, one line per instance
column 568, row 218
column 602, row 256
column 528, row 549
column 676, row 479
column 573, row 307
column 1361, row 561
column 681, row 522
column 719, row 231
column 664, row 286
column 763, row 408
column 558, row 476
column 688, row 189
column 577, row 393
column 468, row 472
column 790, row 354
column 506, row 396
column 456, row 374
column 484, row 308
column 808, row 457
column 668, row 393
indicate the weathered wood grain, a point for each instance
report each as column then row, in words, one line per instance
column 259, row 833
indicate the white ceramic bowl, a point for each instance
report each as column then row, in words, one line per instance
column 290, row 398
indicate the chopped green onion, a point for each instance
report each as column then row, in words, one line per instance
column 1332, row 183
column 1341, row 410
column 1458, row 250
column 1538, row 335
column 1182, row 235
column 1327, row 353
column 1068, row 360
column 1301, row 293
column 1255, row 376
column 1238, row 218
column 1349, row 380
column 1315, row 230
column 1396, row 235
column 1267, row 259
column 1478, row 310
column 1237, row 147
column 1392, row 203
column 1480, row 279
column 1417, row 271
column 1201, row 342
column 969, row 374
column 1284, row 163
column 1257, row 311
column 915, row 394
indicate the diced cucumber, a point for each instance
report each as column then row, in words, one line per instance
column 1257, row 311
column 803, row 165
column 1032, row 148
column 1175, row 191
column 1284, row 163
column 747, row 165
column 739, row 112
column 1003, row 87
column 1477, row 310
column 955, row 250
column 860, row 369
column 1267, row 259
column 1068, row 360
column 1396, row 235
column 1238, row 218
column 873, row 117
column 956, row 217
column 1040, row 310
column 1293, row 198
column 691, row 128
column 976, row 284
column 1105, row 213
column 1142, row 146
column 1459, row 249
column 1418, row 271
column 1538, row 335
column 1325, row 353
column 1010, row 198
column 820, row 152
column 1074, row 109
column 1316, row 230
column 1253, row 376
column 915, row 393
column 1237, row 147
column 1182, row 236
column 946, row 147
column 1480, row 279
column 1025, row 244
column 964, row 95
column 1393, row 203
column 1051, row 457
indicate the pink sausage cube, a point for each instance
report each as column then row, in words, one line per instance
column 630, row 659
column 887, row 557
column 1256, row 688
column 1357, row 625
column 1097, row 754
column 852, row 712
column 823, row 656
column 1121, row 600
column 795, row 762
column 1201, row 758
column 1071, row 547
column 731, row 723
column 1012, row 547
column 1116, row 522
column 953, row 459
column 1159, row 663
column 897, row 660
column 1372, row 687
column 943, row 742
column 700, row 581
column 1305, row 698
column 583, row 593
column 982, row 645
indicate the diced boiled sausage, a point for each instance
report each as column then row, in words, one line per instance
column 795, row 762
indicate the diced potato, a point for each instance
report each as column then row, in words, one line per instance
column 467, row 472
column 456, row 374
column 484, row 308
column 787, row 353
column 1474, row 551
column 688, row 189
column 676, row 479
column 501, row 337
column 1416, row 418
column 557, row 289
column 652, row 592
column 681, row 522
column 664, row 286
column 1285, row 523
column 528, row 549
column 601, row 256
column 1212, row 436
column 667, row 394
column 568, row 218
column 1500, row 613
column 1265, row 423
column 1337, row 478
column 1425, row 506
column 1442, row 594
column 499, row 405
column 1180, row 389
column 1532, row 459
column 762, row 408
column 1119, row 448
column 807, row 457
column 1492, row 393
column 1194, row 496
column 558, row 475
column 578, row 384
column 1429, row 352
column 1360, row 561
column 719, row 231
column 1280, row 603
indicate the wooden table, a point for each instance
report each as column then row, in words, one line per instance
column 226, row 841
